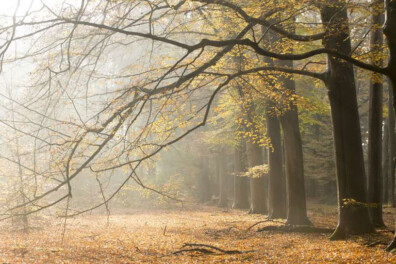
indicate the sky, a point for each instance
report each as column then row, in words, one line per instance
column 7, row 7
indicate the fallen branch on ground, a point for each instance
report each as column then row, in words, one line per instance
column 204, row 248
column 375, row 243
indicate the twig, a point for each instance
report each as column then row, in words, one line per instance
column 203, row 248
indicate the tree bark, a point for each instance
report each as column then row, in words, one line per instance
column 277, row 181
column 385, row 163
column 258, row 192
column 294, row 161
column 374, row 190
column 392, row 149
column 258, row 195
column 295, row 184
column 390, row 33
column 241, row 184
column 352, row 218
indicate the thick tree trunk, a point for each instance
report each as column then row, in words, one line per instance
column 277, row 181
column 353, row 219
column 296, row 206
column 258, row 195
column 241, row 184
column 222, row 179
column 374, row 155
column 295, row 185
column 374, row 190
column 390, row 33
column 392, row 147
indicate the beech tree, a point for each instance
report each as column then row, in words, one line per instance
column 375, row 122
column 241, row 183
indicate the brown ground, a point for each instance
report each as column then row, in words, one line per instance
column 152, row 237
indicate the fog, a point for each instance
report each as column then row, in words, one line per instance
column 196, row 131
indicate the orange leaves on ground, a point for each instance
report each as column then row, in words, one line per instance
column 152, row 237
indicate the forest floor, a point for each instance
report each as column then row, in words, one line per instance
column 156, row 236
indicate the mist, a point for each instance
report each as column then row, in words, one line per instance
column 197, row 131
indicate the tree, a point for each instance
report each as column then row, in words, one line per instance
column 296, row 210
column 277, row 181
column 258, row 197
column 375, row 124
column 385, row 163
column 346, row 128
column 204, row 193
column 223, row 178
column 241, row 183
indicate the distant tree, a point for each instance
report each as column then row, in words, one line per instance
column 241, row 182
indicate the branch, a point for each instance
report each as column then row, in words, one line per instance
column 244, row 42
column 263, row 22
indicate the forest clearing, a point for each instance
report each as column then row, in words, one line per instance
column 157, row 236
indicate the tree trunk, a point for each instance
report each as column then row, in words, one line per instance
column 392, row 86
column 204, row 191
column 374, row 155
column 258, row 193
column 352, row 219
column 222, row 179
column 374, row 190
column 258, row 196
column 295, row 185
column 277, row 181
column 216, row 178
column 241, row 183
column 392, row 149
column 385, row 163
column 265, row 156
column 391, row 172
column 390, row 33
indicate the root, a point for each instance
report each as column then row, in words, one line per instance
column 299, row 222
column 338, row 234
column 342, row 231
column 296, row 229
column 264, row 221
column 392, row 245
column 380, row 225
